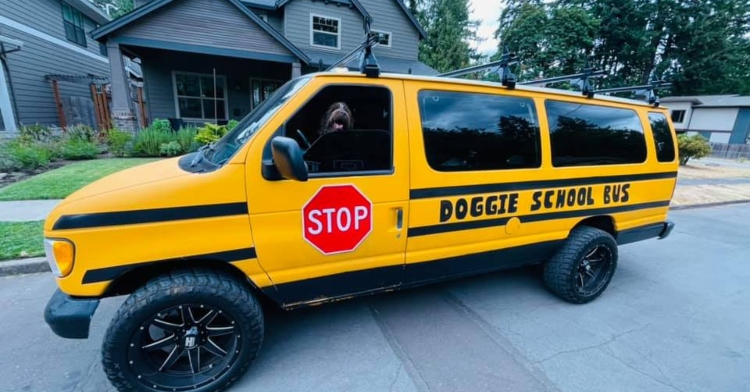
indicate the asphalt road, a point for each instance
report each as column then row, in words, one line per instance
column 675, row 318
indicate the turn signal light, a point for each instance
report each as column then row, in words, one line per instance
column 60, row 256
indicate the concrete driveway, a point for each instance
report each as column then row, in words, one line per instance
column 675, row 318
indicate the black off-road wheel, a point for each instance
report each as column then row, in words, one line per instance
column 190, row 330
column 582, row 269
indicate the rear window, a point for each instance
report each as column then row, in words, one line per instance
column 583, row 134
column 662, row 137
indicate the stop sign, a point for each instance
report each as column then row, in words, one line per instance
column 337, row 219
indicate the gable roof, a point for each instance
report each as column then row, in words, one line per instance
column 359, row 7
column 355, row 3
column 100, row 33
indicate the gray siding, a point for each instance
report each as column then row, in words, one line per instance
column 33, row 95
column 214, row 23
column 389, row 16
column 159, row 88
column 297, row 24
column 275, row 18
column 45, row 16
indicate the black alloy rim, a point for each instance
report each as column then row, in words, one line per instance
column 593, row 270
column 184, row 347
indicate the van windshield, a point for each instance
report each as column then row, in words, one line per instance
column 225, row 147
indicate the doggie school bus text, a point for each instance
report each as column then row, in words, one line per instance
column 507, row 203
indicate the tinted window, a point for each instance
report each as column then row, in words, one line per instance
column 594, row 135
column 465, row 131
column 662, row 137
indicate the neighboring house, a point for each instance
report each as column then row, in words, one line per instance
column 216, row 60
column 719, row 118
column 41, row 38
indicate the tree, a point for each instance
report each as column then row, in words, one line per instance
column 449, row 33
column 703, row 47
column 695, row 146
column 115, row 8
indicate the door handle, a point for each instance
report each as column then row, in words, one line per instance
column 399, row 218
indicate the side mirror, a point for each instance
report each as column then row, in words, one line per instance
column 288, row 158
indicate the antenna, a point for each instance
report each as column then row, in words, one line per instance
column 503, row 65
column 368, row 64
column 584, row 77
column 652, row 98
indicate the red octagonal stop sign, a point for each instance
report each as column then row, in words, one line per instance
column 337, row 219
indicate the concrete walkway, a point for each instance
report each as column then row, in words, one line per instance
column 27, row 210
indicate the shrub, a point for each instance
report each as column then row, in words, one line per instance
column 149, row 140
column 186, row 138
column 170, row 149
column 210, row 133
column 695, row 146
column 76, row 149
column 35, row 132
column 118, row 142
column 161, row 125
column 81, row 132
column 231, row 124
column 26, row 156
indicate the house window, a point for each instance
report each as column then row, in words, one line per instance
column 73, row 22
column 200, row 96
column 261, row 90
column 384, row 38
column 678, row 116
column 325, row 32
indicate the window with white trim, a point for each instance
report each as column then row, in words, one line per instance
column 73, row 22
column 384, row 38
column 325, row 32
column 200, row 97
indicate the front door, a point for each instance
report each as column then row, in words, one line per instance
column 342, row 231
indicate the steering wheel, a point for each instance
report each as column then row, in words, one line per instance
column 304, row 139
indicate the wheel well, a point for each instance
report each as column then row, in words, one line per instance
column 131, row 280
column 602, row 222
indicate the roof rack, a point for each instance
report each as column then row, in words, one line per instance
column 651, row 97
column 581, row 77
column 368, row 65
column 507, row 78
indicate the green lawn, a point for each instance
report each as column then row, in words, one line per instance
column 21, row 239
column 59, row 183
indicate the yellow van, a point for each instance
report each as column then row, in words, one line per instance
column 437, row 178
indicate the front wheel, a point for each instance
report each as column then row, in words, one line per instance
column 193, row 330
column 582, row 269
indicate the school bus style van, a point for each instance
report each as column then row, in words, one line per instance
column 438, row 178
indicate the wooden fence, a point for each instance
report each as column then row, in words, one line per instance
column 730, row 151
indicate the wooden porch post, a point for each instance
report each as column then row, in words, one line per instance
column 97, row 106
column 58, row 103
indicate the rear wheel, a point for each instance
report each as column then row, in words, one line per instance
column 193, row 330
column 582, row 269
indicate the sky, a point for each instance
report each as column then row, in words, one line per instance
column 487, row 12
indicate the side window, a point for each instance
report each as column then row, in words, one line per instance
column 470, row 131
column 662, row 137
column 345, row 129
column 594, row 135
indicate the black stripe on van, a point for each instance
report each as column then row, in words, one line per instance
column 110, row 273
column 427, row 193
column 101, row 219
column 480, row 224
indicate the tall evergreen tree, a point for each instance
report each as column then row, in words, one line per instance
column 450, row 32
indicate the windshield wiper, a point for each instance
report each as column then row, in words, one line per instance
column 200, row 154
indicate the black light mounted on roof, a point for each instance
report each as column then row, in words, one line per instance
column 368, row 63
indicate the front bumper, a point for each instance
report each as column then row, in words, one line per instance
column 668, row 226
column 69, row 317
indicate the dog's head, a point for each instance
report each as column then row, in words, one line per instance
column 338, row 118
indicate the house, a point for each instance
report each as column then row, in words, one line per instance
column 216, row 60
column 719, row 118
column 48, row 61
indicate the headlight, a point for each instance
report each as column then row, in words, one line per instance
column 60, row 256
